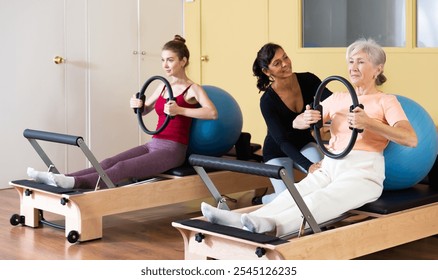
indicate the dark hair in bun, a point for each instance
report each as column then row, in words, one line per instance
column 178, row 46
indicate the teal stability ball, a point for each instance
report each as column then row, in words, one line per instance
column 216, row 137
column 404, row 166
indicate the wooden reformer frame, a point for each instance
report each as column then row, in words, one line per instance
column 84, row 210
column 358, row 233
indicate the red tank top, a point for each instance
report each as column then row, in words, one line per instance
column 178, row 128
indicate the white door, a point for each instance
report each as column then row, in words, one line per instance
column 31, row 84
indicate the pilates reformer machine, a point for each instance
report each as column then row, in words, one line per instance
column 396, row 218
column 84, row 209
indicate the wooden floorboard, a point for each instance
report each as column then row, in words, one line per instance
column 138, row 235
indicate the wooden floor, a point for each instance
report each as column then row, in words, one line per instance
column 139, row 235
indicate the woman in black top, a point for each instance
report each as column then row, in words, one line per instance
column 285, row 96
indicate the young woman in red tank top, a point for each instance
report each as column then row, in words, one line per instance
column 165, row 150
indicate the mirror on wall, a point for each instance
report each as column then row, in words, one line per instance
column 338, row 23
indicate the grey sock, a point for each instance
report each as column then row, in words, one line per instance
column 258, row 224
column 41, row 176
column 63, row 181
column 221, row 217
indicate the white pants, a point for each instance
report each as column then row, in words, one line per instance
column 310, row 151
column 338, row 186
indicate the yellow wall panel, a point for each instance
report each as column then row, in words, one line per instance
column 411, row 72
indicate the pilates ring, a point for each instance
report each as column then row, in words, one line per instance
column 319, row 124
column 141, row 95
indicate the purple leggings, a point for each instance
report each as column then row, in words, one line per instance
column 150, row 159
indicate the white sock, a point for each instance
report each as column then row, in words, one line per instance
column 257, row 224
column 219, row 216
column 41, row 176
column 63, row 181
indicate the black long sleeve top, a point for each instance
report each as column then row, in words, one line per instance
column 282, row 140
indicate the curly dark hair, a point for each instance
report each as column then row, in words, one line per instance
column 262, row 61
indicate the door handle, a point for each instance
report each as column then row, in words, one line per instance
column 58, row 59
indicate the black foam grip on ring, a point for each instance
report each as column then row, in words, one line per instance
column 319, row 123
column 248, row 167
column 51, row 137
column 351, row 110
column 173, row 99
column 143, row 98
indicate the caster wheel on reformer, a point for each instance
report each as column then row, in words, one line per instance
column 16, row 220
column 73, row 236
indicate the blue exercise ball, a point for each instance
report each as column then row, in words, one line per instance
column 217, row 137
column 404, row 166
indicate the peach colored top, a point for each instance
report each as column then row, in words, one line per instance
column 380, row 106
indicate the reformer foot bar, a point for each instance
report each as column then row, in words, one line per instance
column 84, row 209
column 396, row 218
